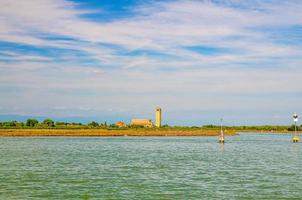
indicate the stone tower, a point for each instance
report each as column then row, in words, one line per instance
column 158, row 117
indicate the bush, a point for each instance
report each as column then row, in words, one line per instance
column 48, row 122
column 32, row 122
column 61, row 123
column 93, row 124
column 292, row 128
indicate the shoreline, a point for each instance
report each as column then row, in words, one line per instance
column 268, row 132
column 125, row 132
column 107, row 133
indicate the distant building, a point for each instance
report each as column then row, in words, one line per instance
column 158, row 117
column 141, row 122
column 121, row 124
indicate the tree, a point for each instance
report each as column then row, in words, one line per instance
column 9, row 124
column 48, row 122
column 113, row 126
column 32, row 122
column 93, row 124
column 292, row 128
column 61, row 123
column 76, row 124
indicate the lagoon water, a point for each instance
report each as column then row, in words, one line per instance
column 249, row 166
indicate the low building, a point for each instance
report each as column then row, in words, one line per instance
column 121, row 124
column 141, row 122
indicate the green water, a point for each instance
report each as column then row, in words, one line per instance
column 249, row 166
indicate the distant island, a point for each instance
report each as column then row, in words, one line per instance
column 48, row 127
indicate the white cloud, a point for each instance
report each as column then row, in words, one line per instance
column 253, row 63
column 165, row 28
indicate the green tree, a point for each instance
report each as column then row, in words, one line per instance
column 112, row 126
column 48, row 122
column 76, row 124
column 93, row 124
column 10, row 124
column 292, row 128
column 61, row 123
column 32, row 122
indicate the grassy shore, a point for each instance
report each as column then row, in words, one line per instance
column 105, row 132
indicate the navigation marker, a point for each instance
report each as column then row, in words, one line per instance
column 295, row 137
column 221, row 137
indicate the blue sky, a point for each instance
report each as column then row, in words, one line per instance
column 117, row 60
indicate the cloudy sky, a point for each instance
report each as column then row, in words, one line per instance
column 198, row 60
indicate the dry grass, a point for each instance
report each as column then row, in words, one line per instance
column 104, row 132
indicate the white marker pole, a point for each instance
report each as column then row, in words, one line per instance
column 221, row 131
column 221, row 137
column 295, row 138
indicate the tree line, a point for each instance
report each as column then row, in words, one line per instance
column 257, row 128
column 49, row 123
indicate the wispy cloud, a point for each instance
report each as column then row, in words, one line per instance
column 178, row 54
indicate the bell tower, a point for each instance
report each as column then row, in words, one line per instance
column 158, row 117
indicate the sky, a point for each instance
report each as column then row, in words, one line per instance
column 199, row 60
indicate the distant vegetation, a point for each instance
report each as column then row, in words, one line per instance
column 257, row 128
column 51, row 124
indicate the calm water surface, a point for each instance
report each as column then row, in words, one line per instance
column 249, row 166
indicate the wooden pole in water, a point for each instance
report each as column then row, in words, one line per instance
column 296, row 137
column 221, row 137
